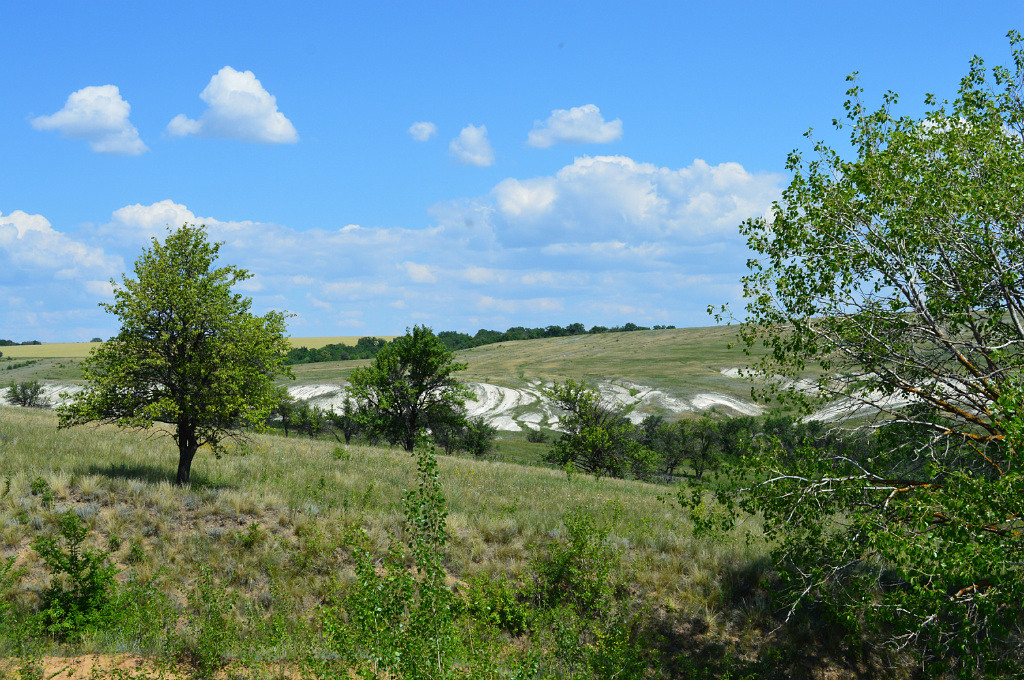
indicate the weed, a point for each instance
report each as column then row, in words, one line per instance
column 497, row 602
column 40, row 487
column 210, row 629
column 136, row 553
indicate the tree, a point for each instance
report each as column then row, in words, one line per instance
column 894, row 279
column 477, row 437
column 345, row 421
column 410, row 383
column 28, row 394
column 189, row 352
column 595, row 438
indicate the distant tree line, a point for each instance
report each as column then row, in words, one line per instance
column 368, row 347
column 12, row 343
column 602, row 441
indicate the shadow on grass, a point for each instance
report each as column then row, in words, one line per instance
column 152, row 474
column 813, row 644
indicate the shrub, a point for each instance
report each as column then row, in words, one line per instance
column 577, row 569
column 82, row 585
column 396, row 621
column 28, row 394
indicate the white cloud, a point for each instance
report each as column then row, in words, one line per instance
column 482, row 275
column 99, row 115
column 532, row 305
column 29, row 241
column 578, row 125
column 614, row 198
column 472, row 147
column 101, row 289
column 238, row 108
column 528, row 198
column 422, row 131
column 419, row 273
column 154, row 219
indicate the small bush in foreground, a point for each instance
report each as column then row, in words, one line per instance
column 82, row 588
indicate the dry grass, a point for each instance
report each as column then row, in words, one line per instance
column 277, row 509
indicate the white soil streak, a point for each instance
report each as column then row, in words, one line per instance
column 509, row 408
column 703, row 402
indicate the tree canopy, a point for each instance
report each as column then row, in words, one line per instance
column 890, row 282
column 410, row 384
column 189, row 352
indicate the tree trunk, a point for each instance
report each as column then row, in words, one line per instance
column 187, row 447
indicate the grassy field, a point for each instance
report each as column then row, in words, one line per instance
column 269, row 523
column 685, row 361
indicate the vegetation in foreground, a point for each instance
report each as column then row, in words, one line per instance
column 286, row 553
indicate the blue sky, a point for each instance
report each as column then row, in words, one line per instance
column 463, row 165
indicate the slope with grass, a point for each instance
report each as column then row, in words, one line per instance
column 244, row 571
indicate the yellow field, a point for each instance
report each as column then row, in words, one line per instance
column 50, row 350
column 312, row 343
column 77, row 350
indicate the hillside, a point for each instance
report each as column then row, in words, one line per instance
column 664, row 372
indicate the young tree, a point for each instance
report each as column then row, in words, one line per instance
column 477, row 437
column 410, row 382
column 189, row 352
column 345, row 421
column 897, row 273
column 595, row 438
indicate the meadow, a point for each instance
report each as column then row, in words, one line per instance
column 253, row 569
column 268, row 525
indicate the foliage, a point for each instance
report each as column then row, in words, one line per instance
column 346, row 420
column 478, row 437
column 595, row 438
column 189, row 353
column 28, row 393
column 207, row 638
column 409, row 385
column 896, row 274
column 577, row 570
column 396, row 621
column 82, row 585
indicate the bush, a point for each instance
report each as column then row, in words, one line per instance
column 537, row 436
column 478, row 437
column 82, row 585
column 28, row 394
column 396, row 621
column 577, row 569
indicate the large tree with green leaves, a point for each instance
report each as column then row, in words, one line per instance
column 890, row 278
column 410, row 384
column 189, row 352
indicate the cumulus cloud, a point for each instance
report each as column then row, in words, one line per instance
column 30, row 242
column 154, row 219
column 238, row 107
column 472, row 147
column 422, row 131
column 609, row 198
column 99, row 115
column 578, row 125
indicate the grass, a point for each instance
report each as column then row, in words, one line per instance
column 269, row 520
